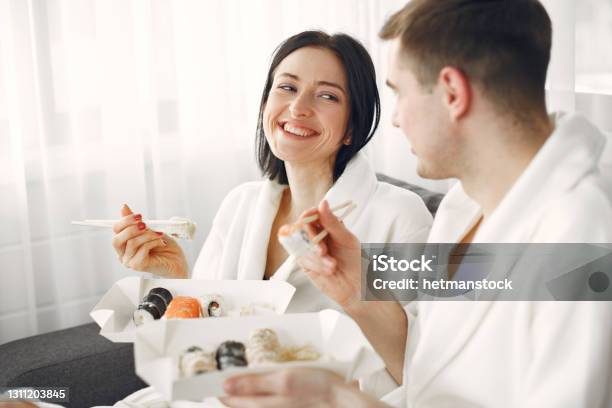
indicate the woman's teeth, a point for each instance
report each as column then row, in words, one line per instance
column 298, row 131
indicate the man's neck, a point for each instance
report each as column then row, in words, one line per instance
column 500, row 157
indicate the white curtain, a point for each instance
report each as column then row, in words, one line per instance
column 147, row 102
column 154, row 103
column 580, row 74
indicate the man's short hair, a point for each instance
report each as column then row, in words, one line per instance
column 502, row 45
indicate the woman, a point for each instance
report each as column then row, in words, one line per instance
column 319, row 108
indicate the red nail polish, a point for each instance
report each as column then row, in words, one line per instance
column 138, row 217
column 141, row 225
column 159, row 233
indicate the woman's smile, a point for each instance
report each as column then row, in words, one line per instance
column 296, row 131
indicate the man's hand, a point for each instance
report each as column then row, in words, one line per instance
column 335, row 266
column 335, row 269
column 296, row 387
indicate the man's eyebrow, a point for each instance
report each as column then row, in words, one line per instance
column 325, row 83
column 390, row 85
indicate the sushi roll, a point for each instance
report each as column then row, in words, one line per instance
column 195, row 361
column 231, row 354
column 212, row 305
column 263, row 347
column 163, row 294
column 146, row 312
column 159, row 303
column 182, row 228
column 153, row 306
column 265, row 338
column 183, row 307
column 294, row 238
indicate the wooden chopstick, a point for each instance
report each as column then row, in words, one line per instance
column 315, row 217
column 317, row 238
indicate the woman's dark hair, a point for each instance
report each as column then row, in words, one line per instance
column 364, row 101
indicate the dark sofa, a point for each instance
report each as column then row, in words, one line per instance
column 97, row 371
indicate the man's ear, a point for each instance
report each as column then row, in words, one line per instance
column 456, row 92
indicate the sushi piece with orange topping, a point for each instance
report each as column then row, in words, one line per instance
column 183, row 307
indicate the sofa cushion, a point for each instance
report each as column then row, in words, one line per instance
column 430, row 198
column 97, row 371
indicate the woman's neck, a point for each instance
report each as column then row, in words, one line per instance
column 308, row 184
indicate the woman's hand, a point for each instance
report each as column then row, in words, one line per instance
column 296, row 387
column 335, row 265
column 144, row 250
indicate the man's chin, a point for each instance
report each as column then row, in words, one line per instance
column 430, row 173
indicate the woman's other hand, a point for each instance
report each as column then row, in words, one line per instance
column 145, row 250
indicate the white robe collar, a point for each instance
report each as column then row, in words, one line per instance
column 357, row 183
column 570, row 153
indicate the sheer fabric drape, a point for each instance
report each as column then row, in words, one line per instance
column 154, row 103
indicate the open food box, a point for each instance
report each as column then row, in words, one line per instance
column 333, row 341
column 115, row 312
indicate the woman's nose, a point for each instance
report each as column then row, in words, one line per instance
column 300, row 106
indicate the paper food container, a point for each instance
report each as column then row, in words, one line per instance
column 158, row 346
column 114, row 312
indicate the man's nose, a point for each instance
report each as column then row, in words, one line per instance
column 300, row 106
column 394, row 120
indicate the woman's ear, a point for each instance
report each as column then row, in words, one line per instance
column 348, row 138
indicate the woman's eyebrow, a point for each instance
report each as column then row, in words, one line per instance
column 326, row 83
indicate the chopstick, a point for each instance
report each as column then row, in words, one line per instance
column 91, row 224
column 109, row 223
column 348, row 206
column 351, row 206
column 158, row 222
column 317, row 238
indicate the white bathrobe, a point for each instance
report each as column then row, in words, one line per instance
column 521, row 354
column 237, row 245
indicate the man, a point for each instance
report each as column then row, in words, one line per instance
column 469, row 78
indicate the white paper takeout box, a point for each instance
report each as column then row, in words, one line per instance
column 115, row 310
column 158, row 346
